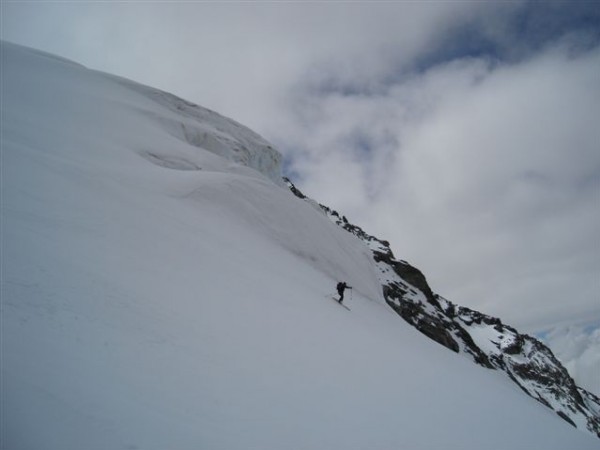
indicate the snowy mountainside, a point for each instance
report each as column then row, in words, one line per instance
column 484, row 339
column 159, row 292
column 208, row 130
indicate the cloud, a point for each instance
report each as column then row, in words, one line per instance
column 578, row 348
column 239, row 58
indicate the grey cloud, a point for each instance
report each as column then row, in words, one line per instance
column 578, row 347
column 238, row 58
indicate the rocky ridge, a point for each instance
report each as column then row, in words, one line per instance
column 484, row 339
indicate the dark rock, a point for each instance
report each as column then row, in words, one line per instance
column 567, row 418
column 294, row 189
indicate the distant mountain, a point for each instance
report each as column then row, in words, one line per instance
column 162, row 287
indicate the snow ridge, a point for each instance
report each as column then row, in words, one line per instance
column 208, row 130
column 484, row 339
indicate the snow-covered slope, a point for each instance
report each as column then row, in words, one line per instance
column 156, row 293
column 482, row 338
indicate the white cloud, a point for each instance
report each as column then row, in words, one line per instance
column 578, row 348
column 238, row 58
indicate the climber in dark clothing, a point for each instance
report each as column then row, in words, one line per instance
column 341, row 287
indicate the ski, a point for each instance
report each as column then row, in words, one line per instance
column 336, row 300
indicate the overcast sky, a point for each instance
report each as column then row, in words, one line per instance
column 465, row 133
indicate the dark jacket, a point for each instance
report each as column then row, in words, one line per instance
column 341, row 287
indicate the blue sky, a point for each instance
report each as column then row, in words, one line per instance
column 465, row 133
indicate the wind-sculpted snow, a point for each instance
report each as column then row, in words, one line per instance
column 485, row 339
column 208, row 130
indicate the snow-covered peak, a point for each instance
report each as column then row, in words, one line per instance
column 200, row 129
column 208, row 130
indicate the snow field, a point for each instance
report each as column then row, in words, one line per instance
column 153, row 305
